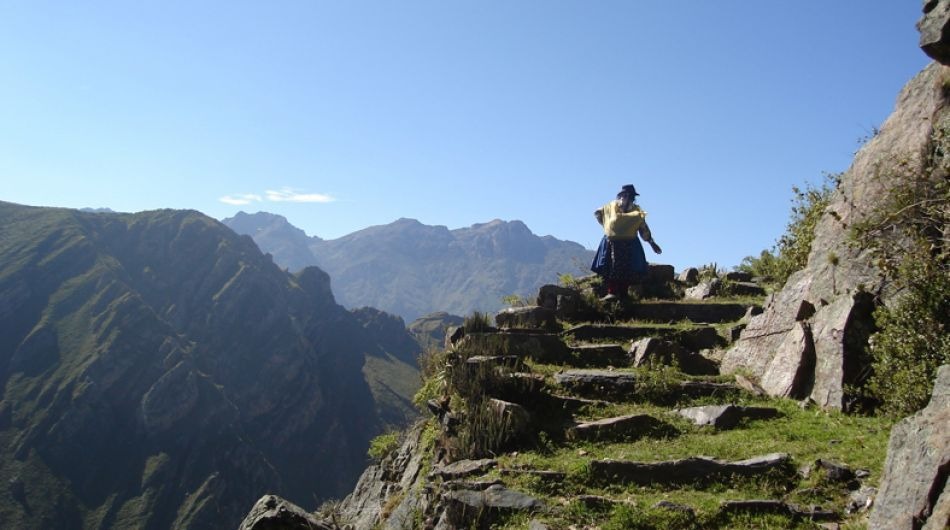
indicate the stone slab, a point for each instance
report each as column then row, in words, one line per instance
column 683, row 471
column 618, row 428
column 712, row 313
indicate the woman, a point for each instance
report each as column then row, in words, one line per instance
column 620, row 259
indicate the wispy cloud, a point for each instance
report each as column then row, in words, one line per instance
column 240, row 199
column 290, row 195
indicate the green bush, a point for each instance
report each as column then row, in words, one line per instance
column 384, row 444
column 790, row 253
column 907, row 237
column 913, row 342
column 432, row 370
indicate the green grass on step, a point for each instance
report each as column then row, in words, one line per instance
column 856, row 441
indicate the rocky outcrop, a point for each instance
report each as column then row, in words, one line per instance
column 915, row 492
column 389, row 492
column 273, row 513
column 811, row 339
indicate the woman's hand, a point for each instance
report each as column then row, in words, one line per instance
column 656, row 248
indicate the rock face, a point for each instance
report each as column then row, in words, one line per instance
column 171, row 348
column 411, row 269
column 811, row 339
column 915, row 492
column 396, row 475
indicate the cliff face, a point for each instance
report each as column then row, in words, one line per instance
column 411, row 269
column 157, row 371
column 815, row 330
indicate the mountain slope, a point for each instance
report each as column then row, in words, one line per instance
column 158, row 371
column 411, row 269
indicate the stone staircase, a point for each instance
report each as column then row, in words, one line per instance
column 543, row 411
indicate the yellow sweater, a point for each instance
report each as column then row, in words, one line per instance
column 624, row 225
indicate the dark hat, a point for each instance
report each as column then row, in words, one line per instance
column 628, row 189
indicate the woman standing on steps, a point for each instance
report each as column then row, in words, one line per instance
column 620, row 259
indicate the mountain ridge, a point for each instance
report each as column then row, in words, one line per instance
column 412, row 269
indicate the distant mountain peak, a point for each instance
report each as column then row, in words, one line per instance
column 409, row 268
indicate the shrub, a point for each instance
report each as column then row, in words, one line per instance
column 514, row 300
column 913, row 342
column 907, row 236
column 432, row 371
column 709, row 272
column 384, row 444
column 477, row 322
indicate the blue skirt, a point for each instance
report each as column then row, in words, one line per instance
column 620, row 260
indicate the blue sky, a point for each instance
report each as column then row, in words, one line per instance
column 341, row 115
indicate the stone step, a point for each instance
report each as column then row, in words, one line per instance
column 462, row 468
column 599, row 355
column 628, row 427
column 544, row 475
column 574, row 403
column 698, row 389
column 539, row 346
column 724, row 417
column 620, row 385
column 813, row 513
column 694, row 338
column 711, row 313
column 686, row 471
column 475, row 508
column 597, row 383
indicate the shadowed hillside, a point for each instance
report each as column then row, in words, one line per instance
column 157, row 370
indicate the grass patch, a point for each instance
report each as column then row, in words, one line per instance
column 856, row 441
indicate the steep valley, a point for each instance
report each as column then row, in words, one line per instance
column 157, row 370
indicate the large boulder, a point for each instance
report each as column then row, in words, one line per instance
column 652, row 351
column 832, row 296
column 934, row 29
column 914, row 490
